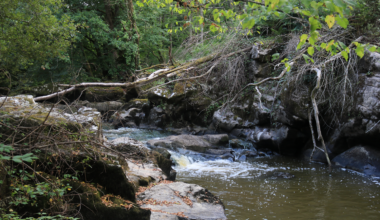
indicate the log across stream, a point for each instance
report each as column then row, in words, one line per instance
column 264, row 187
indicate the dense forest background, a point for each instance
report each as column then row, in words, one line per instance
column 74, row 41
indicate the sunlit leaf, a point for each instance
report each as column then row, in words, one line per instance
column 330, row 20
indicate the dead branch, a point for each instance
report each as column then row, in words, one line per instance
column 315, row 107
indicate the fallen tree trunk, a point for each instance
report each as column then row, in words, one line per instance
column 142, row 81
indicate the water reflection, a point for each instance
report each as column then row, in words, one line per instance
column 248, row 191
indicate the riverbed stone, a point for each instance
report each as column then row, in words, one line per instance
column 127, row 118
column 360, row 158
column 285, row 140
column 195, row 202
column 191, row 142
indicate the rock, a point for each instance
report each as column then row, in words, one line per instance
column 285, row 140
column 369, row 62
column 240, row 144
column 190, row 142
column 249, row 153
column 360, row 158
column 104, row 94
column 144, row 173
column 161, row 169
column 219, row 151
column 318, row 155
column 106, row 106
column 142, row 104
column 363, row 127
column 226, row 120
column 159, row 95
column 93, row 206
column 182, row 90
column 242, row 158
column 127, row 118
column 22, row 109
column 157, row 117
column 191, row 200
column 227, row 156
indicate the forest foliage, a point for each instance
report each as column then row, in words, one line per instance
column 75, row 41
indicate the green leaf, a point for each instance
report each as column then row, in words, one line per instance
column 306, row 57
column 314, row 24
column 248, row 23
column 345, row 55
column 303, row 39
column 313, row 37
column 330, row 20
column 340, row 3
column 342, row 45
column 17, row 160
column 307, row 13
column 372, row 49
column 328, row 47
column 343, row 22
column 359, row 50
column 310, row 51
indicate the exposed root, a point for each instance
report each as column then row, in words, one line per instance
column 315, row 107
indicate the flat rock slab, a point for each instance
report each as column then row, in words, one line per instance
column 191, row 142
column 145, row 171
column 188, row 201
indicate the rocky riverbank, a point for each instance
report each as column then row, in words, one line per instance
column 271, row 122
column 120, row 178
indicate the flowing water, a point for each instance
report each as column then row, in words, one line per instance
column 250, row 190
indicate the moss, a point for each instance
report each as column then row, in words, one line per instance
column 181, row 87
column 200, row 102
column 94, row 208
column 164, row 163
column 102, row 94
column 100, row 90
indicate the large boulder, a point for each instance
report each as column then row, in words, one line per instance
column 22, row 110
column 127, row 118
column 360, row 158
column 158, row 117
column 181, row 201
column 190, row 142
column 282, row 139
column 362, row 127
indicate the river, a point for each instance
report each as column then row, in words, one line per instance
column 249, row 189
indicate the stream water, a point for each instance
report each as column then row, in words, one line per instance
column 250, row 190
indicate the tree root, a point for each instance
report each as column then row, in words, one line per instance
column 315, row 107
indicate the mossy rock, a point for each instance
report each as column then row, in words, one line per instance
column 200, row 102
column 94, row 208
column 159, row 95
column 103, row 94
column 182, row 90
column 136, row 103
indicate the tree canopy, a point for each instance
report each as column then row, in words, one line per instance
column 33, row 31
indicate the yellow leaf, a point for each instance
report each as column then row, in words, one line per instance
column 330, row 20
